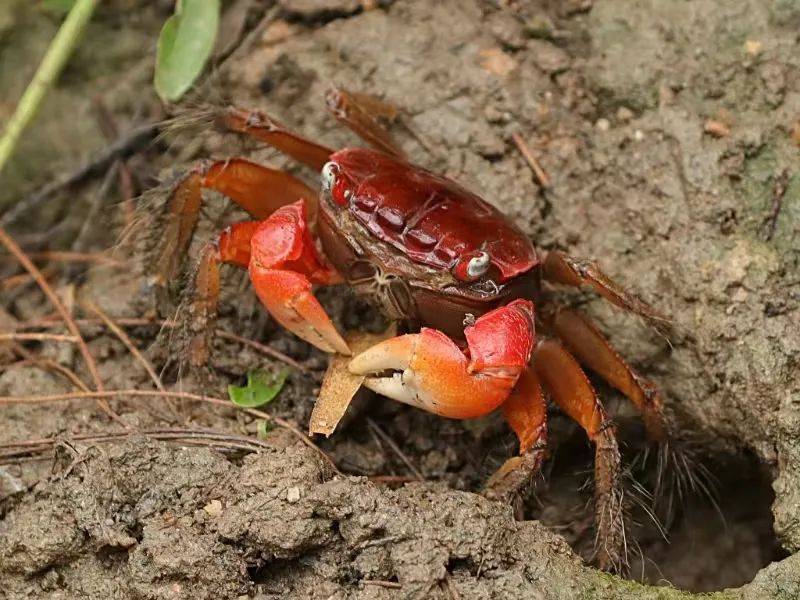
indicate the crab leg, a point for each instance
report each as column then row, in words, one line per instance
column 430, row 371
column 563, row 269
column 360, row 112
column 266, row 129
column 568, row 386
column 283, row 264
column 257, row 189
column 526, row 413
column 592, row 349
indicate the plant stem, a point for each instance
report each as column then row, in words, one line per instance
column 53, row 62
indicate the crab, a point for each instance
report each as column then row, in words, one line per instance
column 466, row 284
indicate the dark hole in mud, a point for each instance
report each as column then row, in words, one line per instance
column 710, row 545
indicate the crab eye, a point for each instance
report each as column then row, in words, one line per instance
column 329, row 173
column 336, row 183
column 474, row 267
column 478, row 265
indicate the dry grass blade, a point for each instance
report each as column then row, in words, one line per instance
column 123, row 337
column 533, row 163
column 14, row 249
column 11, row 400
column 206, row 437
column 395, row 448
column 38, row 337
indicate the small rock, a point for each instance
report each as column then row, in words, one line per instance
column 293, row 494
column 716, row 128
column 497, row 62
column 638, row 135
column 549, row 58
column 213, row 508
column 603, row 124
column 753, row 47
column 624, row 114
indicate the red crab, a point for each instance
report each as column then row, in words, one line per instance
column 460, row 276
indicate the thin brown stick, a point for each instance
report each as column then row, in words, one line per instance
column 46, row 363
column 38, row 337
column 11, row 400
column 123, row 337
column 219, row 438
column 391, row 585
column 143, row 322
column 395, row 448
column 262, row 348
column 77, row 257
column 14, row 249
column 527, row 153
column 778, row 192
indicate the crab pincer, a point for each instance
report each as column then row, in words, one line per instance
column 428, row 370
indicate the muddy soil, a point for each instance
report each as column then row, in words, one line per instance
column 667, row 132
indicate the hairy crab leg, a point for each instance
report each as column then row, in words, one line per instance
column 261, row 126
column 232, row 247
column 591, row 348
column 526, row 413
column 257, row 189
column 430, row 371
column 568, row 386
column 560, row 268
column 359, row 112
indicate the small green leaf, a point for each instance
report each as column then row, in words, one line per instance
column 184, row 45
column 263, row 428
column 261, row 388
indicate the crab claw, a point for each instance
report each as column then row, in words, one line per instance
column 429, row 371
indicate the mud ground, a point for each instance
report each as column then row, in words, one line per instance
column 614, row 99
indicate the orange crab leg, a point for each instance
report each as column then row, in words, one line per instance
column 266, row 129
column 431, row 372
column 358, row 112
column 568, row 386
column 560, row 268
column 283, row 266
column 526, row 413
column 591, row 348
column 258, row 190
column 233, row 247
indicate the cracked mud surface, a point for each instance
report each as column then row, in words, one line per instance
column 614, row 101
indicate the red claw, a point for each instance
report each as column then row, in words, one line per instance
column 432, row 373
column 283, row 265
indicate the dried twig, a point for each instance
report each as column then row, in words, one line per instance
column 395, row 448
column 778, row 192
column 46, row 363
column 38, row 337
column 67, row 256
column 208, row 437
column 14, row 249
column 128, row 144
column 262, row 348
column 11, row 400
column 527, row 153
column 167, row 324
column 391, row 585
column 123, row 337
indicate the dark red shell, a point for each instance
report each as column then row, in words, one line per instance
column 431, row 219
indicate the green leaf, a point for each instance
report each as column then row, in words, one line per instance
column 184, row 45
column 261, row 388
column 263, row 428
